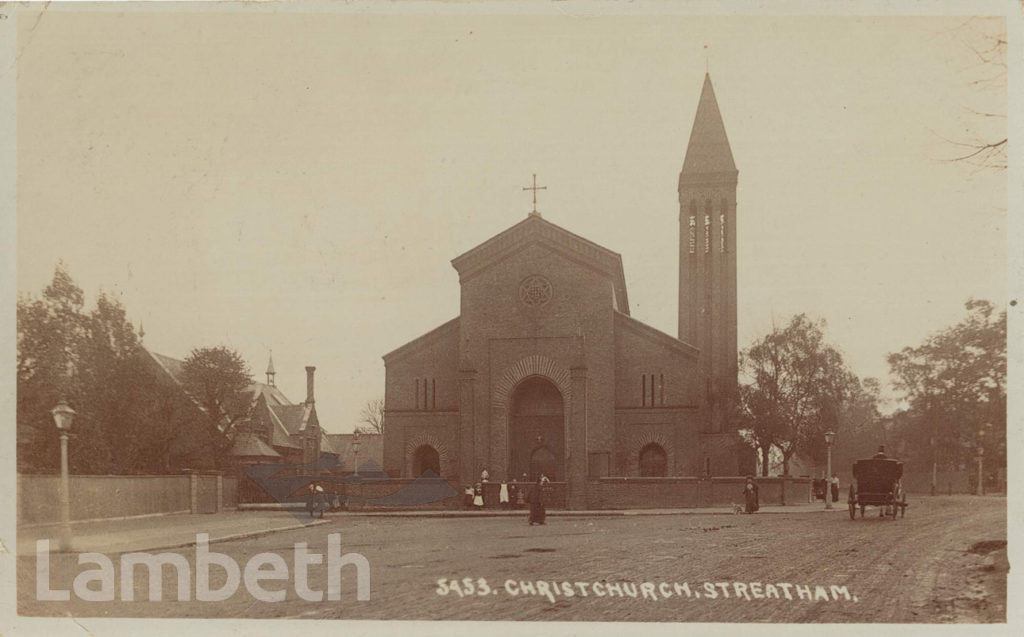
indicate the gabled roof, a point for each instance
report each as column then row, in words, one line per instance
column 708, row 153
column 172, row 366
column 295, row 418
column 250, row 445
column 655, row 335
column 534, row 229
column 270, row 392
column 264, row 414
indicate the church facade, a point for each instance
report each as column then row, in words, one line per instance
column 545, row 370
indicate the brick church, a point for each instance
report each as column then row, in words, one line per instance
column 545, row 370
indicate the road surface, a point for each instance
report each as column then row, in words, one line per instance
column 944, row 562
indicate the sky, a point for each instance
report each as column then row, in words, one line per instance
column 299, row 182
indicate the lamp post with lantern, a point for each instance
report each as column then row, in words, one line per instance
column 981, row 453
column 355, row 451
column 63, row 415
column 830, row 437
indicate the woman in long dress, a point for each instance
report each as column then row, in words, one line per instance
column 750, row 495
column 537, row 511
column 503, row 498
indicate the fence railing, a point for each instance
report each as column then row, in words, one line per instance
column 111, row 497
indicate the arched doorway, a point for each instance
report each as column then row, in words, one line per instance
column 537, row 430
column 653, row 461
column 425, row 458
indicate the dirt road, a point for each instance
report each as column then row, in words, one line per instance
column 819, row 567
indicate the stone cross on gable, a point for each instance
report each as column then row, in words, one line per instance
column 535, row 188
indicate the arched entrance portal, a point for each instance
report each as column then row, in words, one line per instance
column 536, row 430
column 424, row 459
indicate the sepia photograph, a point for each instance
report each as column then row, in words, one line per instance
column 578, row 313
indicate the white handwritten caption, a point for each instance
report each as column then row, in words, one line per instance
column 652, row 591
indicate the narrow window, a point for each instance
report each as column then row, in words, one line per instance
column 643, row 392
column 424, row 393
column 661, row 387
column 652, row 390
column 721, row 225
column 417, row 393
column 707, row 225
column 693, row 226
column 433, row 393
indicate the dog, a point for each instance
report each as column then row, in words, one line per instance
column 737, row 508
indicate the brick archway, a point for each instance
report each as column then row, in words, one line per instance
column 530, row 366
column 535, row 365
column 419, row 439
column 637, row 443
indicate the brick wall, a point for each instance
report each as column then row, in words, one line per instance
column 657, row 493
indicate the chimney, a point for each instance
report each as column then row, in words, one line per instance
column 309, row 385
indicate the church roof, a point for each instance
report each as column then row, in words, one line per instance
column 422, row 341
column 655, row 335
column 273, row 394
column 535, row 229
column 708, row 152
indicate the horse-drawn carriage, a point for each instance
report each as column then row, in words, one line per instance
column 877, row 483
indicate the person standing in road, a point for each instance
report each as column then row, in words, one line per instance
column 478, row 497
column 835, row 487
column 537, row 511
column 503, row 498
column 750, row 495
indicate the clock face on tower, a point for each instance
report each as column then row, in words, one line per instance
column 535, row 290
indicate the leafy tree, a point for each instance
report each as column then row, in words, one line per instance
column 67, row 353
column 371, row 417
column 799, row 387
column 50, row 331
column 215, row 376
column 954, row 388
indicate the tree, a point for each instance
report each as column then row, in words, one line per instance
column 65, row 353
column 798, row 388
column 954, row 388
column 50, row 332
column 215, row 376
column 985, row 38
column 371, row 417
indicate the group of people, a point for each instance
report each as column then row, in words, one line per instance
column 512, row 495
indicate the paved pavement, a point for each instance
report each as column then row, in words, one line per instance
column 162, row 532
column 178, row 530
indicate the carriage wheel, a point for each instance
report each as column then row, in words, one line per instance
column 853, row 511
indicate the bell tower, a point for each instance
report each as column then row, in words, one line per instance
column 707, row 256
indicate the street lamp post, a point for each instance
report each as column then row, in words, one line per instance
column 355, row 451
column 981, row 479
column 829, row 439
column 63, row 415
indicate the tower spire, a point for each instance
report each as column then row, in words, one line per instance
column 708, row 151
column 707, row 255
column 270, row 369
